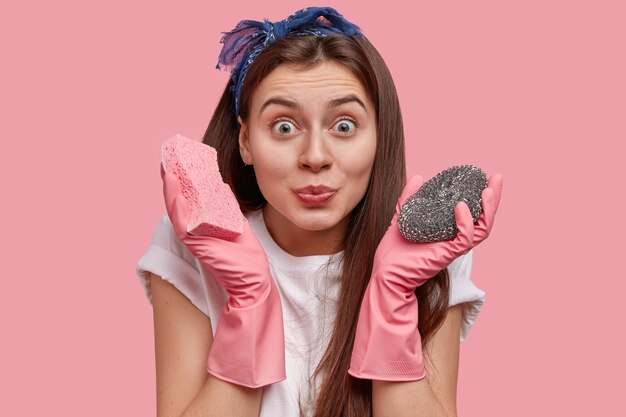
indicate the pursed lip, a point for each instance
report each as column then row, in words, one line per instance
column 315, row 195
column 315, row 189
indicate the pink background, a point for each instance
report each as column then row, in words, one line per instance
column 534, row 90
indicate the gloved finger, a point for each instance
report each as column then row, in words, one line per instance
column 171, row 188
column 464, row 240
column 481, row 229
column 494, row 184
column 175, row 204
column 490, row 201
column 411, row 187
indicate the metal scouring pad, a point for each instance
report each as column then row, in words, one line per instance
column 428, row 215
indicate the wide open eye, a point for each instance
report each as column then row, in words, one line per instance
column 345, row 125
column 283, row 127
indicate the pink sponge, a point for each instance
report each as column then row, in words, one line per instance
column 214, row 208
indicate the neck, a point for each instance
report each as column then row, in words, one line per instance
column 301, row 242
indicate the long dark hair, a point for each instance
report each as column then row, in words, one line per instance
column 340, row 394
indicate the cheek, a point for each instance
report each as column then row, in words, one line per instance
column 359, row 165
column 359, row 169
column 266, row 162
column 272, row 169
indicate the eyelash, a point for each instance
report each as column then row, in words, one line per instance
column 274, row 122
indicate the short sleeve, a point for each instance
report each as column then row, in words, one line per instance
column 463, row 291
column 170, row 259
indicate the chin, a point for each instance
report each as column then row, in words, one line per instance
column 316, row 220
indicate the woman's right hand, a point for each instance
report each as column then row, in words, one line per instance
column 249, row 344
column 241, row 265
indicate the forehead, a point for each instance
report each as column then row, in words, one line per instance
column 325, row 80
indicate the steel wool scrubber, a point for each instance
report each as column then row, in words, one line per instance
column 428, row 215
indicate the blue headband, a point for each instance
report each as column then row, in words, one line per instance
column 249, row 38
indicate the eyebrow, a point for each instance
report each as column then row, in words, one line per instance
column 293, row 105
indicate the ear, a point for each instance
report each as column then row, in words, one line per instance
column 244, row 143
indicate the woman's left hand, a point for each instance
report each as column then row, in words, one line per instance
column 420, row 261
column 387, row 344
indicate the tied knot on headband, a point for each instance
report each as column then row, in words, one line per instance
column 249, row 38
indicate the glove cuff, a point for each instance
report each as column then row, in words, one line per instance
column 387, row 344
column 249, row 344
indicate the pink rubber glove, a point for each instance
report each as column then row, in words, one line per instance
column 387, row 344
column 249, row 344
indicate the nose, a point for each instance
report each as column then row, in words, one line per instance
column 315, row 153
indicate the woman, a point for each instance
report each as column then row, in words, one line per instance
column 314, row 309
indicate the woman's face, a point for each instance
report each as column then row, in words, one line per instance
column 311, row 137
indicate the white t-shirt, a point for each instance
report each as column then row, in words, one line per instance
column 307, row 290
